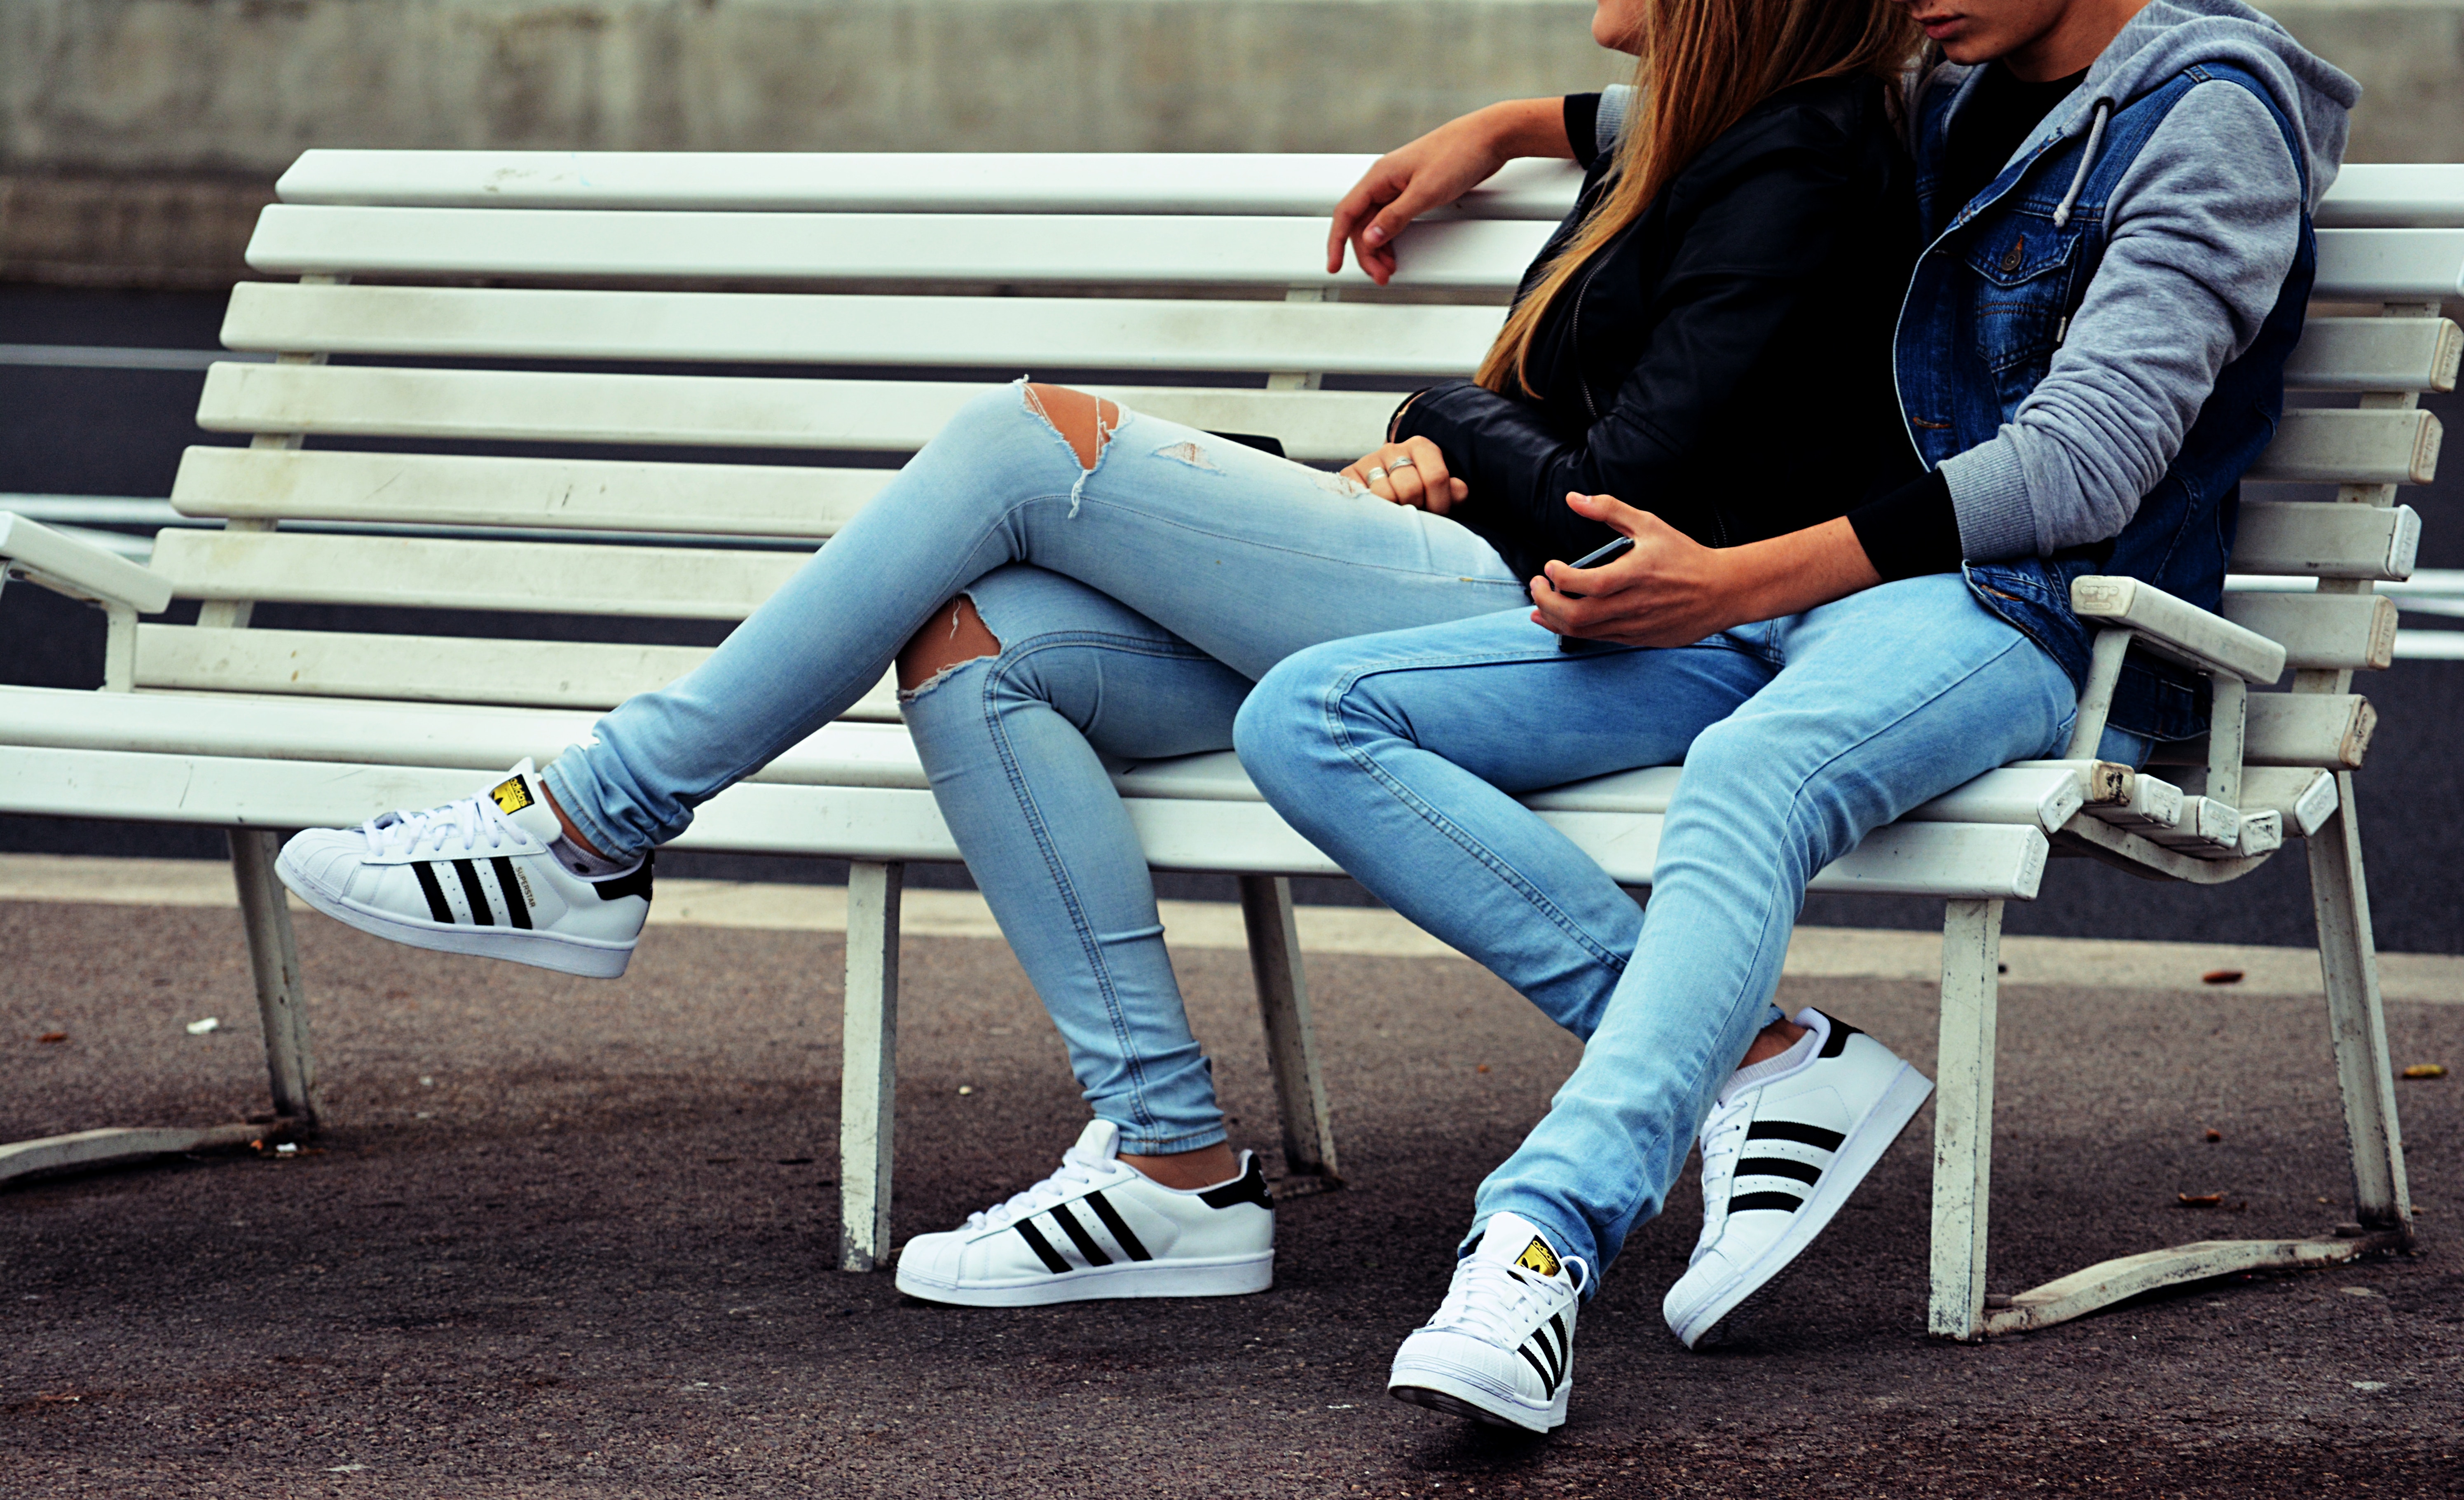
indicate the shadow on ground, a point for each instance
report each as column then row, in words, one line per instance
column 574, row 1238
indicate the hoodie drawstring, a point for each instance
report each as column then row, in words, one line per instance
column 2087, row 159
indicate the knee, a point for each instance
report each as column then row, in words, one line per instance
column 955, row 635
column 1281, row 730
column 1086, row 423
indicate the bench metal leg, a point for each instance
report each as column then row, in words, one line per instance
column 869, row 1077
column 274, row 954
column 1291, row 1041
column 1963, row 1116
column 2349, row 962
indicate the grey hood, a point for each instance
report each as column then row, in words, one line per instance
column 2171, row 35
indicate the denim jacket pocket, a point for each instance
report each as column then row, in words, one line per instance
column 2024, row 268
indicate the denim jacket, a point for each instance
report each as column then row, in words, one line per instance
column 1991, row 302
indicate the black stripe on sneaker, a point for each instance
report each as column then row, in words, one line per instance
column 1786, row 1203
column 1118, row 1226
column 1548, row 1382
column 1814, row 1135
column 1841, row 1032
column 1078, row 1236
column 1778, row 1166
column 1043, row 1248
column 480, row 912
column 437, row 906
column 509, row 886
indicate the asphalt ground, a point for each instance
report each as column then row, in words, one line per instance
column 569, row 1239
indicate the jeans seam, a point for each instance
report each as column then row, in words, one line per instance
column 1514, row 879
column 995, row 676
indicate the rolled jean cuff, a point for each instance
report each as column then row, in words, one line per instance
column 583, row 813
column 1138, row 1140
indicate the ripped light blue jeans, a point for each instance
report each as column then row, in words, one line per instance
column 1164, row 580
column 1396, row 755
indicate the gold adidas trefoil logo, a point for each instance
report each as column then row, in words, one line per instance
column 511, row 796
column 1537, row 1256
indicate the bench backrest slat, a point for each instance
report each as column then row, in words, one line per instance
column 1006, row 333
column 2324, row 540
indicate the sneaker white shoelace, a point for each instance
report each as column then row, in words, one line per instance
column 1496, row 1303
column 1076, row 1172
column 465, row 821
column 1724, row 1141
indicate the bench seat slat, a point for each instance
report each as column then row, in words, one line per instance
column 420, row 573
column 1473, row 255
column 2325, row 539
column 719, row 411
column 1971, row 860
column 1007, row 333
column 426, row 668
column 2336, row 631
column 2395, row 354
column 534, row 494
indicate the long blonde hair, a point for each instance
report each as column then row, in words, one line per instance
column 1701, row 66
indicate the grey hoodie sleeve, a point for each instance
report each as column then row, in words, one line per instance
column 2204, row 227
column 1610, row 122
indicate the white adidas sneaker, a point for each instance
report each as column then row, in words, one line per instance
column 1780, row 1154
column 473, row 876
column 1500, row 1349
column 1101, row 1229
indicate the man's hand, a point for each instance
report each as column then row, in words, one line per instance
column 1433, row 171
column 1410, row 473
column 1672, row 590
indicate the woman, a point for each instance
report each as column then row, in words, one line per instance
column 1089, row 581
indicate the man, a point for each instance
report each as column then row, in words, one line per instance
column 2115, row 199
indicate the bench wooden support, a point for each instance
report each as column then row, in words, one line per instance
column 869, row 1076
column 2364, row 1074
column 273, row 956
column 1291, row 1039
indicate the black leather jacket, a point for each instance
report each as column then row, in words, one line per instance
column 1723, row 363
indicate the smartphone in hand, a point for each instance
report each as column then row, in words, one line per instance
column 1594, row 558
column 1600, row 558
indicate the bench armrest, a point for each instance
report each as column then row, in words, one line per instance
column 2174, row 627
column 79, row 569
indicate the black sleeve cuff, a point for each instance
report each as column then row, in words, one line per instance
column 1583, row 127
column 1911, row 531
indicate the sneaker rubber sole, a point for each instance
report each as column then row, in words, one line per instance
column 1866, row 1141
column 1459, row 1392
column 588, row 958
column 1230, row 1277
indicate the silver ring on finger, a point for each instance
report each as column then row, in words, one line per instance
column 1401, row 461
column 1374, row 475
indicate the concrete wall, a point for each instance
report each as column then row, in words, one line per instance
column 136, row 134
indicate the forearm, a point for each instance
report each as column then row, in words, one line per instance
column 1790, row 574
column 1527, row 127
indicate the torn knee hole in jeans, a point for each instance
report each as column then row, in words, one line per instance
column 953, row 638
column 1085, row 423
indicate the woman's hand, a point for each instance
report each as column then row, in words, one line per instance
column 1433, row 171
column 1672, row 590
column 1410, row 473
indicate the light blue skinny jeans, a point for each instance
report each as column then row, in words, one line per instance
column 1164, row 580
column 1396, row 754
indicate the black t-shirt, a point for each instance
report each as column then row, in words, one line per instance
column 1913, row 529
column 1995, row 121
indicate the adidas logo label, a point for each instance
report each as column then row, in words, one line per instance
column 510, row 795
column 1537, row 1256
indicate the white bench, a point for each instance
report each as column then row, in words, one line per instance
column 906, row 268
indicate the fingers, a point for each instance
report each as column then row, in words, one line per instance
column 1613, row 512
column 1382, row 184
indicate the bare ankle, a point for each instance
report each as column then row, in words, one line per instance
column 1189, row 1170
column 1774, row 1039
column 570, row 831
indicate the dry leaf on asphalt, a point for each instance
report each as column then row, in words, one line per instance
column 2221, row 976
column 2201, row 1200
column 2416, row 1071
